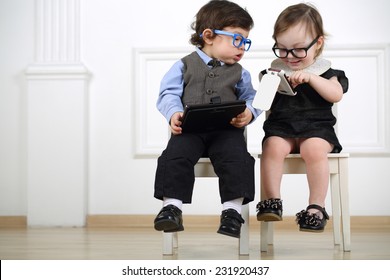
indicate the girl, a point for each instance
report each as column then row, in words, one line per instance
column 302, row 123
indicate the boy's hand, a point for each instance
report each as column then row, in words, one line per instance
column 175, row 123
column 242, row 119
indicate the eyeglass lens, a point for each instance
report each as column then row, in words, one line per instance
column 297, row 52
column 239, row 40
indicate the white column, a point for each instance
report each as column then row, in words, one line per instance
column 57, row 120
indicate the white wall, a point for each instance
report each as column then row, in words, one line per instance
column 16, row 52
column 126, row 46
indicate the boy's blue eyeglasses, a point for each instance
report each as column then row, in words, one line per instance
column 238, row 39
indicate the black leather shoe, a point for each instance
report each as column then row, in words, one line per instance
column 312, row 222
column 231, row 222
column 169, row 219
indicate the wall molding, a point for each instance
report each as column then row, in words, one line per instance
column 57, row 71
column 13, row 222
column 367, row 102
column 57, row 31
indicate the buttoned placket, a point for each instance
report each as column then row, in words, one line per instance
column 213, row 63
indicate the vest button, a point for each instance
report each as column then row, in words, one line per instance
column 211, row 74
column 209, row 91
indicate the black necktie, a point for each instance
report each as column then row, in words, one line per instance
column 214, row 63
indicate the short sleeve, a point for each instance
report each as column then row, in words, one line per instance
column 343, row 80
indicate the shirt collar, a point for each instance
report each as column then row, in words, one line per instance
column 205, row 57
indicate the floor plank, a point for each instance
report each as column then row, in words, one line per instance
column 144, row 243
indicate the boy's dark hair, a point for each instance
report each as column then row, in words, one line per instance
column 218, row 14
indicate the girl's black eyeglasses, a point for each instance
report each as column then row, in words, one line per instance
column 296, row 52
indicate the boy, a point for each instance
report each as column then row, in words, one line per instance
column 221, row 31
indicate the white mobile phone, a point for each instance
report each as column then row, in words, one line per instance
column 285, row 86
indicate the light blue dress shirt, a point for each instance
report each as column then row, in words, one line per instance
column 172, row 87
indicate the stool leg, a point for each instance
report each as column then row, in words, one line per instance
column 344, row 198
column 168, row 243
column 264, row 234
column 244, row 237
column 335, row 192
column 175, row 240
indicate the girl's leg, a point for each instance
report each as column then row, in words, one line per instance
column 314, row 152
column 275, row 149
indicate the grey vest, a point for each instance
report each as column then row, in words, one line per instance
column 202, row 83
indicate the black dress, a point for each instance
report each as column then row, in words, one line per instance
column 306, row 114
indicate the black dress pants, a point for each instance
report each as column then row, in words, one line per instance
column 228, row 153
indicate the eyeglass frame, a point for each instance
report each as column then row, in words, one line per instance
column 294, row 49
column 244, row 40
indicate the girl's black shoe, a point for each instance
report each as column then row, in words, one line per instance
column 270, row 210
column 311, row 221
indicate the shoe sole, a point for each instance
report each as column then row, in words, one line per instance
column 168, row 226
column 311, row 230
column 180, row 228
column 269, row 217
column 228, row 234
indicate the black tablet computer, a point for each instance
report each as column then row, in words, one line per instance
column 209, row 117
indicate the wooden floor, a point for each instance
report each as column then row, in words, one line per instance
column 144, row 243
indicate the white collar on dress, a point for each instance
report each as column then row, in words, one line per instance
column 319, row 66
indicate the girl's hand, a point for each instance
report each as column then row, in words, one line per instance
column 329, row 89
column 242, row 119
column 175, row 123
column 299, row 77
